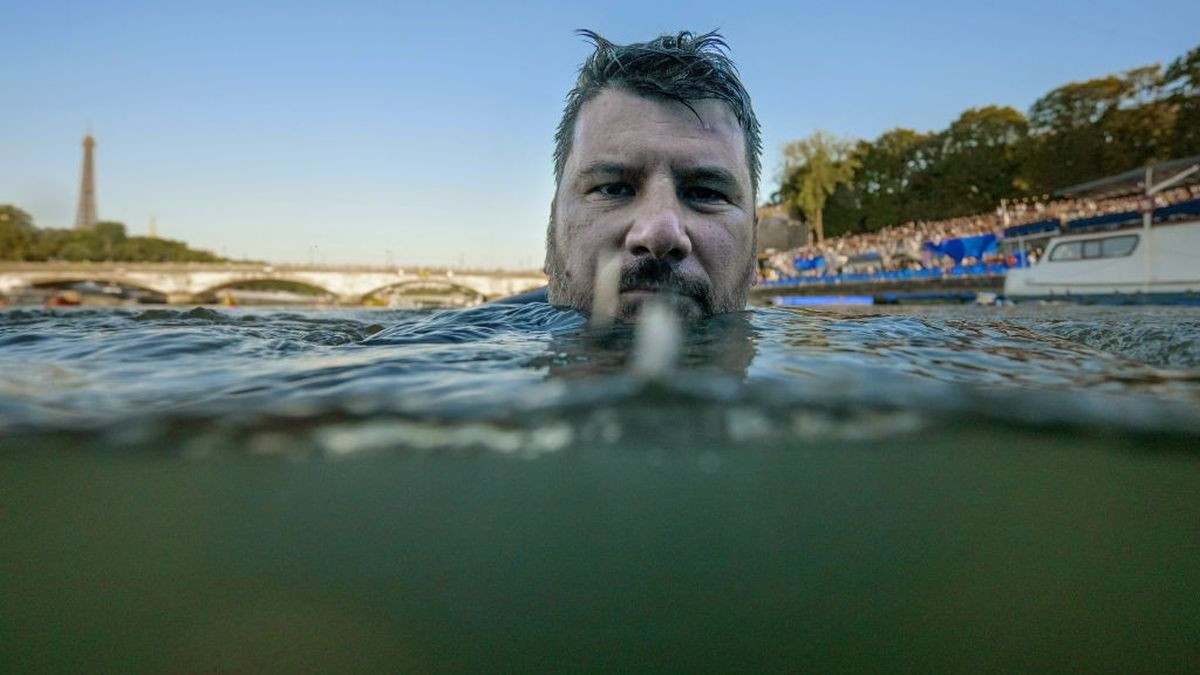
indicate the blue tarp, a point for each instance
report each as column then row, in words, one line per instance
column 967, row 247
column 804, row 264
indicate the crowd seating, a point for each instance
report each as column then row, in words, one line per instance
column 1030, row 229
column 961, row 247
column 1178, row 210
column 931, row 273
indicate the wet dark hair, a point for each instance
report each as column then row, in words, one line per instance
column 682, row 67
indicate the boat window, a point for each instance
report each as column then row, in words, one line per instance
column 1107, row 247
column 1117, row 247
column 1071, row 250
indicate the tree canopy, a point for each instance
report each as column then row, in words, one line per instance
column 17, row 233
column 1075, row 133
column 816, row 166
column 20, row 239
column 1182, row 84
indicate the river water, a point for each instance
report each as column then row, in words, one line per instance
column 508, row 489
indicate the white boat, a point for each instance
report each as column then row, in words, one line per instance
column 1111, row 258
column 1137, row 264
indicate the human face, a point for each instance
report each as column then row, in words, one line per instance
column 659, row 195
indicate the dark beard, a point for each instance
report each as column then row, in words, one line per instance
column 665, row 278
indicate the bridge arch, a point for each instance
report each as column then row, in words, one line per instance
column 448, row 283
column 192, row 282
column 253, row 279
column 97, row 278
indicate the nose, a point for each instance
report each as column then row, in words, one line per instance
column 658, row 228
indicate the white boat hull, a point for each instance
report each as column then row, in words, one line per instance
column 1172, row 266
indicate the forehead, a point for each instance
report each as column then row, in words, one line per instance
column 639, row 131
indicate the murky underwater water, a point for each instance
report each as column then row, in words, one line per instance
column 498, row 489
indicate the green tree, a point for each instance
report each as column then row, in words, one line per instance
column 1181, row 81
column 48, row 243
column 1075, row 133
column 926, row 196
column 1138, row 132
column 106, row 237
column 1077, row 105
column 978, row 162
column 1069, row 140
column 153, row 249
column 880, row 192
column 17, row 233
column 21, row 240
column 1139, row 135
column 814, row 167
column 1087, row 130
column 982, row 159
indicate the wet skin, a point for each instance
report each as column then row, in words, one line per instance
column 664, row 189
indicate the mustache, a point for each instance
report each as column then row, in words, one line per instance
column 665, row 277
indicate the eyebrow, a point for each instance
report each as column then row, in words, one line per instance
column 712, row 174
column 708, row 174
column 604, row 168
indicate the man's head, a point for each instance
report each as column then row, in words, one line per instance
column 657, row 166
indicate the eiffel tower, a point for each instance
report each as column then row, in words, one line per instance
column 85, row 217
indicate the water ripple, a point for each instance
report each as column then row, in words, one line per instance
column 407, row 376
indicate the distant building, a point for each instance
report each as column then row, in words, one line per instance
column 778, row 231
column 85, row 216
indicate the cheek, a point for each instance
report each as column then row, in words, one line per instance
column 582, row 238
column 723, row 248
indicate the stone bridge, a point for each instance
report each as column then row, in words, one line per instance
column 183, row 283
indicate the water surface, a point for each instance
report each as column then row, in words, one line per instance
column 505, row 488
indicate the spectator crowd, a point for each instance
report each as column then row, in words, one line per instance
column 903, row 247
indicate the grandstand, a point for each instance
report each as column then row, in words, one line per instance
column 976, row 251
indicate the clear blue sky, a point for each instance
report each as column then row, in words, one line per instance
column 338, row 132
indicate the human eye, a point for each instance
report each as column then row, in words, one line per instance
column 699, row 193
column 614, row 190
